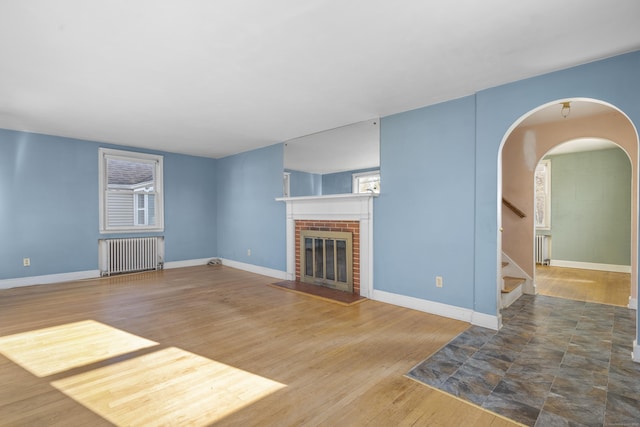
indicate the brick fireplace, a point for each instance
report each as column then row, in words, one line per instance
column 341, row 212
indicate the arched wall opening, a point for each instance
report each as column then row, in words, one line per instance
column 526, row 143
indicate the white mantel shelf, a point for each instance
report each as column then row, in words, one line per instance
column 334, row 207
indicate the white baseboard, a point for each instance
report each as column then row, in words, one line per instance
column 615, row 268
column 432, row 307
column 187, row 263
column 48, row 279
column 264, row 271
column 636, row 351
column 633, row 303
column 485, row 320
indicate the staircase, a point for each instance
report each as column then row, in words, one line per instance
column 511, row 288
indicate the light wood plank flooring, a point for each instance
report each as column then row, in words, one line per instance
column 584, row 285
column 216, row 346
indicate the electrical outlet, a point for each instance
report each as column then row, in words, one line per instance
column 26, row 262
column 248, row 252
column 438, row 281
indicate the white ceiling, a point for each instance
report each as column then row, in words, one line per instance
column 214, row 78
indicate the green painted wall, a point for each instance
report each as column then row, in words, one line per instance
column 591, row 207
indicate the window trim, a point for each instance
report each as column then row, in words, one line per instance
column 108, row 153
column 547, row 206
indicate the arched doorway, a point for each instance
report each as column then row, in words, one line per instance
column 582, row 220
column 524, row 145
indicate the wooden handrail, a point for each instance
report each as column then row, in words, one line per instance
column 514, row 209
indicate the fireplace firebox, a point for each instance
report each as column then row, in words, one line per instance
column 327, row 259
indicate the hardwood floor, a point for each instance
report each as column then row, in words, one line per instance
column 213, row 345
column 584, row 285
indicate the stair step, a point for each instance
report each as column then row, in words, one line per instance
column 511, row 283
column 505, row 263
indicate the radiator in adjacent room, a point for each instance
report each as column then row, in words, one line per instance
column 541, row 249
column 130, row 255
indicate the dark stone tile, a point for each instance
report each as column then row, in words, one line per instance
column 530, row 371
column 472, row 338
column 621, row 353
column 481, row 362
column 577, row 361
column 622, row 410
column 547, row 419
column 590, row 340
column 560, row 362
column 576, row 409
column 511, row 342
column 512, row 409
column 473, row 389
column 598, row 377
column 428, row 375
column 529, row 393
column 624, row 324
column 541, row 356
column 516, row 328
column 487, row 378
column 492, row 350
column 627, row 368
column 551, row 341
column 452, row 354
column 625, row 381
column 525, row 324
column 580, row 387
column 594, row 327
column 594, row 334
column 624, row 312
column 624, row 340
column 558, row 325
column 591, row 351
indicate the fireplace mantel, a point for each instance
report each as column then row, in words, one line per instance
column 354, row 207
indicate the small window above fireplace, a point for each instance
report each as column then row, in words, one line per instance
column 366, row 182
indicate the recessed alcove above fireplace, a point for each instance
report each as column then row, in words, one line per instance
column 346, row 213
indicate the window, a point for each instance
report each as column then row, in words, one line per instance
column 130, row 191
column 543, row 195
column 366, row 182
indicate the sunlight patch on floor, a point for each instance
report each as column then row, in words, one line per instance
column 159, row 386
column 168, row 386
column 49, row 351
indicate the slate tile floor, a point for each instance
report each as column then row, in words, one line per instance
column 555, row 362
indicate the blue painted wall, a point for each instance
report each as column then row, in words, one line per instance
column 424, row 216
column 304, row 184
column 249, row 217
column 190, row 206
column 49, row 205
